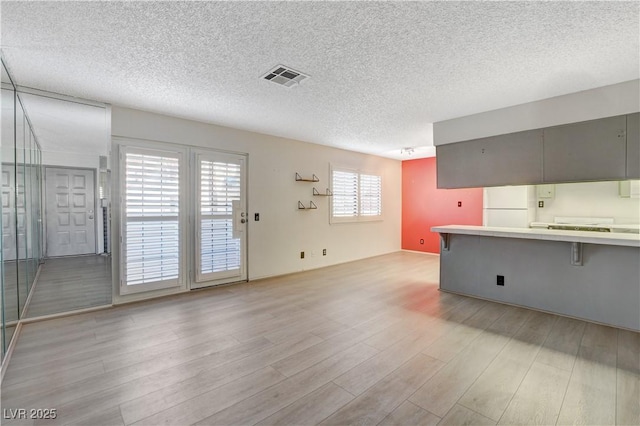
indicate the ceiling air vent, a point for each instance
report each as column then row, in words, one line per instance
column 285, row 76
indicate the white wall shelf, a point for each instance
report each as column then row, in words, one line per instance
column 327, row 193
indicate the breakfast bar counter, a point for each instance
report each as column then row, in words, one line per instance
column 588, row 275
column 608, row 238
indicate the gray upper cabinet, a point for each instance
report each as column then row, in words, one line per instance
column 590, row 150
column 512, row 159
column 633, row 146
column 596, row 150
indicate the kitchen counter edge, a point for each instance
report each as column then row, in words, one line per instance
column 587, row 237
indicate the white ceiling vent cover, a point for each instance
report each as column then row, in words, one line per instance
column 285, row 76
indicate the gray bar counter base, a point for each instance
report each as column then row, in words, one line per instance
column 541, row 274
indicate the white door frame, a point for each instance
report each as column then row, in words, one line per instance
column 45, row 211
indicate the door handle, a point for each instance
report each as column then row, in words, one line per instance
column 243, row 220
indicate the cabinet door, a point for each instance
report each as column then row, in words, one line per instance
column 633, row 146
column 512, row 159
column 590, row 150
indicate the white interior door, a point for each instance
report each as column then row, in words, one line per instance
column 8, row 212
column 220, row 219
column 70, row 212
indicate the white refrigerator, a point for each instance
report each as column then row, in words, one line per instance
column 509, row 206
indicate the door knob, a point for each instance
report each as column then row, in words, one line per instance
column 243, row 220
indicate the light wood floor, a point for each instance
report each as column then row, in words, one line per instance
column 71, row 283
column 369, row 342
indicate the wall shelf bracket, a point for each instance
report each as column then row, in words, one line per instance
column 311, row 206
column 576, row 254
column 445, row 241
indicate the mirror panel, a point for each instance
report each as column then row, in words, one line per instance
column 8, row 276
column 21, row 212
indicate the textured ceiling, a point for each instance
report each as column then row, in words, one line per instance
column 381, row 72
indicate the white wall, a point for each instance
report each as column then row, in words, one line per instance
column 607, row 101
column 80, row 159
column 275, row 242
column 590, row 199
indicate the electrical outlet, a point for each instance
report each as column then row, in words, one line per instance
column 324, row 252
column 541, row 204
column 459, row 203
column 421, row 241
column 500, row 280
column 301, row 255
column 256, row 216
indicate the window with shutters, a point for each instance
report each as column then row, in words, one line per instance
column 150, row 218
column 357, row 196
column 370, row 195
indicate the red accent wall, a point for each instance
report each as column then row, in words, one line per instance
column 424, row 205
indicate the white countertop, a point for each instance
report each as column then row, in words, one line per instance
column 607, row 238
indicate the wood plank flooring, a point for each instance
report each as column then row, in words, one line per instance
column 371, row 342
column 71, row 283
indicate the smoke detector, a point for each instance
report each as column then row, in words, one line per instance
column 285, row 76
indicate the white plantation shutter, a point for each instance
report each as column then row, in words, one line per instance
column 356, row 196
column 220, row 186
column 370, row 195
column 151, row 205
column 345, row 194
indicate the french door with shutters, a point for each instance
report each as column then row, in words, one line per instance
column 172, row 222
column 220, row 218
column 152, row 209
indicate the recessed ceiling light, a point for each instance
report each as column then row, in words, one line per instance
column 284, row 76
